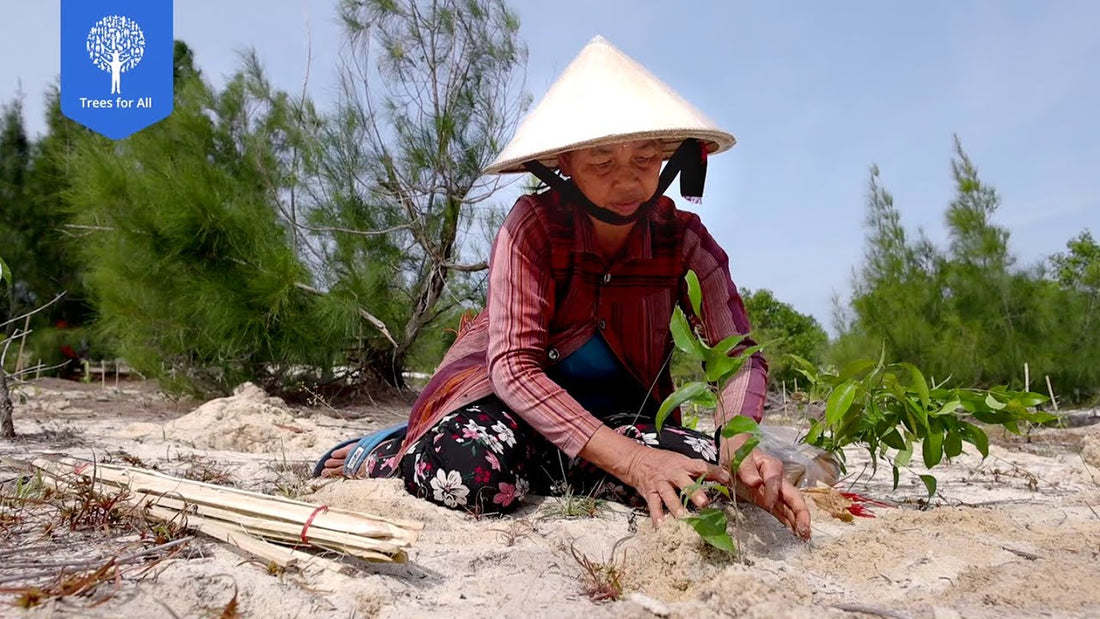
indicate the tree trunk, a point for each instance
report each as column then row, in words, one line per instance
column 7, row 426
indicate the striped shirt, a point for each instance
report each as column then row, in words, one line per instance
column 551, row 290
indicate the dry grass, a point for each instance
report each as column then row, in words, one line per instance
column 292, row 478
column 517, row 530
column 71, row 540
column 207, row 471
column 602, row 582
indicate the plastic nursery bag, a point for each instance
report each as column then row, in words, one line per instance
column 804, row 466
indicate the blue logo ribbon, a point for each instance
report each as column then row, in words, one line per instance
column 116, row 64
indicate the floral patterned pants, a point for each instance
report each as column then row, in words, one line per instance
column 485, row 459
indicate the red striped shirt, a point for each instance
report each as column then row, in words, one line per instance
column 550, row 290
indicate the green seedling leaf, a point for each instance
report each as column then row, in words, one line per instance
column 689, row 391
column 952, row 443
column 722, row 370
column 683, row 337
column 695, row 293
column 993, row 403
column 816, row 428
column 932, row 449
column 893, row 439
column 948, row 409
column 718, row 365
column 5, row 273
column 804, row 368
column 917, row 383
column 1028, row 399
column 742, row 453
column 904, row 456
column 687, row 491
column 1041, row 417
column 725, row 346
column 897, row 476
column 710, row 524
column 929, row 484
column 840, row 400
column 976, row 437
column 740, row 425
column 855, row 368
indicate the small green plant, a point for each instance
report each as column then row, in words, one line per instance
column 719, row 367
column 890, row 407
column 571, row 505
column 882, row 406
column 603, row 582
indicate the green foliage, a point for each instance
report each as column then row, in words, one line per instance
column 967, row 311
column 1075, row 291
column 786, row 330
column 890, row 407
column 397, row 190
column 32, row 219
column 194, row 278
column 720, row 363
column 247, row 235
column 711, row 524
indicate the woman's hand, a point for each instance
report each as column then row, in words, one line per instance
column 658, row 475
column 760, row 481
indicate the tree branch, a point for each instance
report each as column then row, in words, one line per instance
column 371, row 318
column 465, row 268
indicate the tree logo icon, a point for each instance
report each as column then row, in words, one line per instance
column 116, row 44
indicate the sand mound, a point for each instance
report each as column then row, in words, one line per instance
column 249, row 421
column 1090, row 446
column 672, row 564
column 382, row 497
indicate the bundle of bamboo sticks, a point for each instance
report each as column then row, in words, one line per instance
column 256, row 523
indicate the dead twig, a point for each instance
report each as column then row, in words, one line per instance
column 1021, row 553
column 48, row 568
column 869, row 610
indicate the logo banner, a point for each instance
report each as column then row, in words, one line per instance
column 116, row 64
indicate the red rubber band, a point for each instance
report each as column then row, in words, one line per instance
column 305, row 527
column 80, row 468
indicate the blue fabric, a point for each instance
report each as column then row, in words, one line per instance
column 596, row 379
column 592, row 362
column 363, row 447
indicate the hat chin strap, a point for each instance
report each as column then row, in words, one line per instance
column 689, row 161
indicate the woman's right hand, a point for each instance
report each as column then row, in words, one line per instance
column 660, row 475
column 657, row 474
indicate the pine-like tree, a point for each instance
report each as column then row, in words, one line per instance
column 429, row 93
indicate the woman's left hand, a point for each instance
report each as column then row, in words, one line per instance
column 760, row 480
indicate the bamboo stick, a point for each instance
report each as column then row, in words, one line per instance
column 225, row 532
column 241, row 513
column 279, row 555
column 248, row 502
column 265, row 527
column 1027, row 377
column 1050, row 390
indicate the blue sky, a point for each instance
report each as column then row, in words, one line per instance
column 814, row 92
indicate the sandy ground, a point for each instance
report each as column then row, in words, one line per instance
column 1017, row 534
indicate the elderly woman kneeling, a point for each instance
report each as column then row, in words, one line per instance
column 556, row 383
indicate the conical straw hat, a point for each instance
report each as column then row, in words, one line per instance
column 603, row 97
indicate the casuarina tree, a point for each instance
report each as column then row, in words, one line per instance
column 430, row 91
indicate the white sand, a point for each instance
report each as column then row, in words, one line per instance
column 1015, row 535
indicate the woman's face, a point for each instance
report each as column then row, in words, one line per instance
column 618, row 177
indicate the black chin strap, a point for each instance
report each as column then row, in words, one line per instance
column 689, row 161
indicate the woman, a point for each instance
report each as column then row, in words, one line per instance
column 555, row 384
